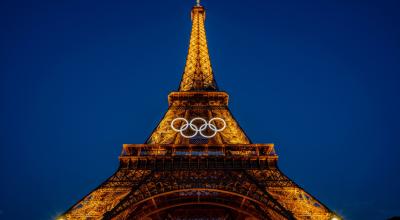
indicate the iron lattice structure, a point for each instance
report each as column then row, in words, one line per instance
column 174, row 177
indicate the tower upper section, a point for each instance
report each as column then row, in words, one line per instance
column 198, row 74
column 198, row 113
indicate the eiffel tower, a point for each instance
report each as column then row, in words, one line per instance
column 198, row 163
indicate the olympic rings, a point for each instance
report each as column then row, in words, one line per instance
column 198, row 130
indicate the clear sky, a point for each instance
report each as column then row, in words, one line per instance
column 320, row 79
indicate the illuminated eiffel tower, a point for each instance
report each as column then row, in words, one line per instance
column 198, row 163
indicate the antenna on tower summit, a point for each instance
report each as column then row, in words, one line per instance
column 198, row 2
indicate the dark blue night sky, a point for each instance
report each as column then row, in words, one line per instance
column 320, row 79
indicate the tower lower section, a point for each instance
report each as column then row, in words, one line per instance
column 198, row 181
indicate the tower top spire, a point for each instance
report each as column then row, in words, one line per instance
column 198, row 74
